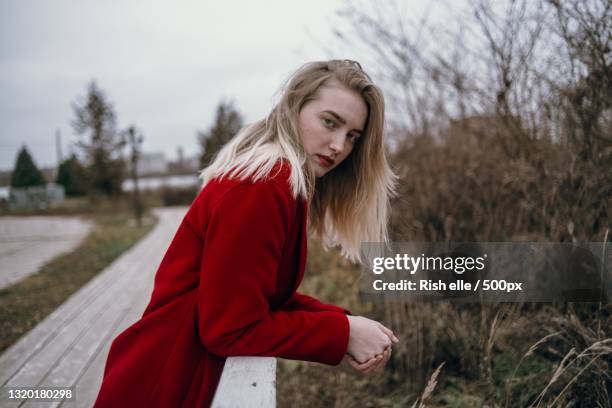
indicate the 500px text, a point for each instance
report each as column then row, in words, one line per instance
column 460, row 285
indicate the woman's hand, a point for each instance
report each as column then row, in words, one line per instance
column 372, row 365
column 368, row 338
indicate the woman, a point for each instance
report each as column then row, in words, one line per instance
column 227, row 284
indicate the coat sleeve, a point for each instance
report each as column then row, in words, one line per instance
column 304, row 302
column 243, row 244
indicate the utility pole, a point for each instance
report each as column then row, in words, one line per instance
column 58, row 145
column 58, row 150
column 135, row 140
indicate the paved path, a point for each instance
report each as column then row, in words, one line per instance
column 27, row 243
column 70, row 346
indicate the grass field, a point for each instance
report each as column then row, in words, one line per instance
column 499, row 355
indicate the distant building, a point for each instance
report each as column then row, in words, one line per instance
column 36, row 197
column 192, row 163
column 152, row 163
column 184, row 165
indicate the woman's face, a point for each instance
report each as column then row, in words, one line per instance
column 331, row 124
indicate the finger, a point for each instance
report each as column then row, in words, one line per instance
column 388, row 339
column 361, row 366
column 347, row 359
column 365, row 366
column 376, row 367
column 388, row 332
column 351, row 360
column 370, row 364
column 383, row 361
column 385, row 357
column 353, row 363
column 375, row 363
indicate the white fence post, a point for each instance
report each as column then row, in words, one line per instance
column 247, row 382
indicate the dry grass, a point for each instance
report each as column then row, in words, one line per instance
column 504, row 355
column 462, row 186
column 429, row 388
column 529, row 160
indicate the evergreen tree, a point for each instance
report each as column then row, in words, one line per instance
column 95, row 116
column 73, row 176
column 26, row 173
column 228, row 122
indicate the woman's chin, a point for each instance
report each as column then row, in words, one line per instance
column 320, row 171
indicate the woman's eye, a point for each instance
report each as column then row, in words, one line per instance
column 329, row 123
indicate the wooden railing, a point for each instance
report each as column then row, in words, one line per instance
column 247, row 382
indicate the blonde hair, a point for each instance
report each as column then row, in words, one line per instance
column 348, row 205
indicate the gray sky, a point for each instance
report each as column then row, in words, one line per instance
column 164, row 65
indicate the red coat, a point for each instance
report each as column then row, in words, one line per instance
column 225, row 287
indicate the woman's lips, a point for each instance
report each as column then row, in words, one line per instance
column 325, row 161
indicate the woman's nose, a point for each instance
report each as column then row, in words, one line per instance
column 337, row 143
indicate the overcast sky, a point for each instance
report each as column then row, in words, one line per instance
column 164, row 65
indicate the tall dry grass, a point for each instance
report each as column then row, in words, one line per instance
column 462, row 185
column 502, row 134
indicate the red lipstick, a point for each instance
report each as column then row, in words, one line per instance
column 325, row 160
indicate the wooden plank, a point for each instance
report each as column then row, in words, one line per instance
column 247, row 382
column 46, row 331
column 70, row 369
column 31, row 344
column 37, row 367
column 88, row 385
column 67, row 370
column 62, row 349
